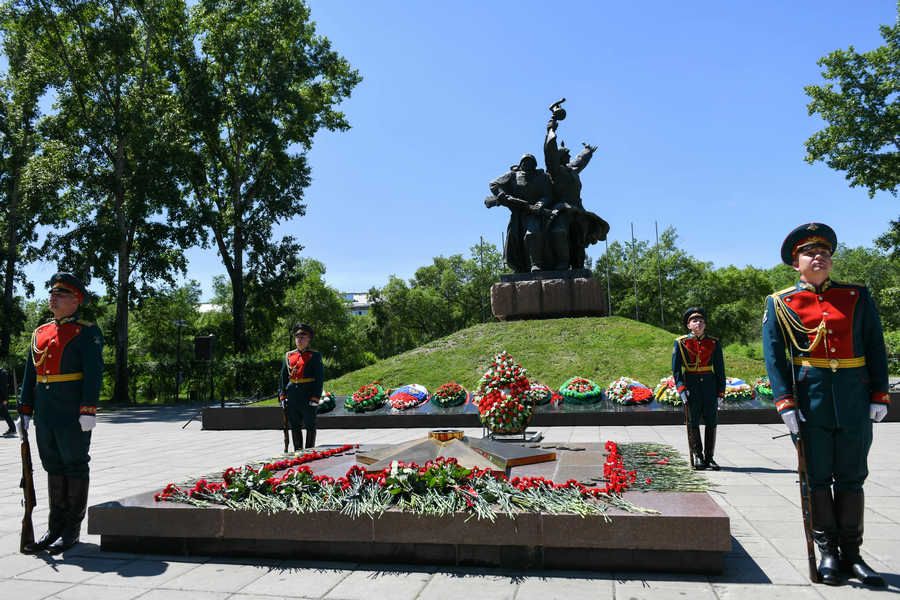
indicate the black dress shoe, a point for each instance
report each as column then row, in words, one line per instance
column 39, row 546
column 858, row 568
column 712, row 464
column 829, row 570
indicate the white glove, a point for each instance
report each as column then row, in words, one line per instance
column 684, row 397
column 792, row 419
column 23, row 423
column 877, row 412
column 87, row 422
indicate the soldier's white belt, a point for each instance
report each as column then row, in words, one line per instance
column 60, row 378
column 831, row 363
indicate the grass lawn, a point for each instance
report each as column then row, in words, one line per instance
column 552, row 350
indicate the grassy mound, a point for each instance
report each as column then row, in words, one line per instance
column 551, row 350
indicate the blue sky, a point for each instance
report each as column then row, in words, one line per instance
column 697, row 108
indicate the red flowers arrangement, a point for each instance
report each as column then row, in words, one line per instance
column 368, row 397
column 502, row 404
column 449, row 394
column 440, row 486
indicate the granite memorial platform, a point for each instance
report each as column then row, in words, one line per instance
column 688, row 533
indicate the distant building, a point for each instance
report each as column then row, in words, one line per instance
column 359, row 302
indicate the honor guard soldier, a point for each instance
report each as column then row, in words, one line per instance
column 60, row 390
column 827, row 363
column 302, row 377
column 699, row 372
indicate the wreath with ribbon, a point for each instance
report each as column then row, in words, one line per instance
column 408, row 396
column 626, row 390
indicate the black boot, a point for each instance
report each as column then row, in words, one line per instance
column 825, row 534
column 696, row 448
column 77, row 489
column 310, row 438
column 56, row 521
column 297, row 436
column 850, row 507
column 710, row 443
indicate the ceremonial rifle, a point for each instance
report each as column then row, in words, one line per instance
column 802, row 473
column 687, row 430
column 30, row 499
column 806, row 506
column 284, row 423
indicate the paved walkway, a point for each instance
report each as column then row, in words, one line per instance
column 139, row 450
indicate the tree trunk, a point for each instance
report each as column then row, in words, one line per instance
column 9, row 272
column 239, row 298
column 120, row 387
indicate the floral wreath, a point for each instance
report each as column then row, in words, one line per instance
column 368, row 397
column 626, row 390
column 408, row 396
column 763, row 388
column 449, row 394
column 666, row 392
column 579, row 390
column 326, row 403
column 500, row 398
column 737, row 390
column 538, row 394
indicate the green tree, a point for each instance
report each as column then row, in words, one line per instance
column 339, row 336
column 861, row 104
column 111, row 64
column 443, row 297
column 257, row 83
column 28, row 166
column 633, row 270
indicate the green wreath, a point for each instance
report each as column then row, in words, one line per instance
column 579, row 390
column 368, row 397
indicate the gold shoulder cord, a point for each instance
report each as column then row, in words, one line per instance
column 37, row 352
column 688, row 365
column 788, row 323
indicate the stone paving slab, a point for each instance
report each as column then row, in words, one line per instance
column 138, row 450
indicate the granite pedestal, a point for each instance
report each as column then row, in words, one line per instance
column 690, row 533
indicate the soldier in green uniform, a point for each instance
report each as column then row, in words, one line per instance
column 826, row 360
column 698, row 369
column 302, row 377
column 60, row 389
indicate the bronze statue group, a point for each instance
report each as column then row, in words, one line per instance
column 822, row 340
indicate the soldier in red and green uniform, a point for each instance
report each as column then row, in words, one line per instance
column 302, row 377
column 60, row 389
column 698, row 368
column 826, row 360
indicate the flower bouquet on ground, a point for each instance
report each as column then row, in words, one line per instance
column 579, row 390
column 449, row 394
column 500, row 397
column 665, row 392
column 408, row 396
column 368, row 397
column 763, row 389
column 326, row 403
column 626, row 390
column 737, row 390
column 538, row 394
